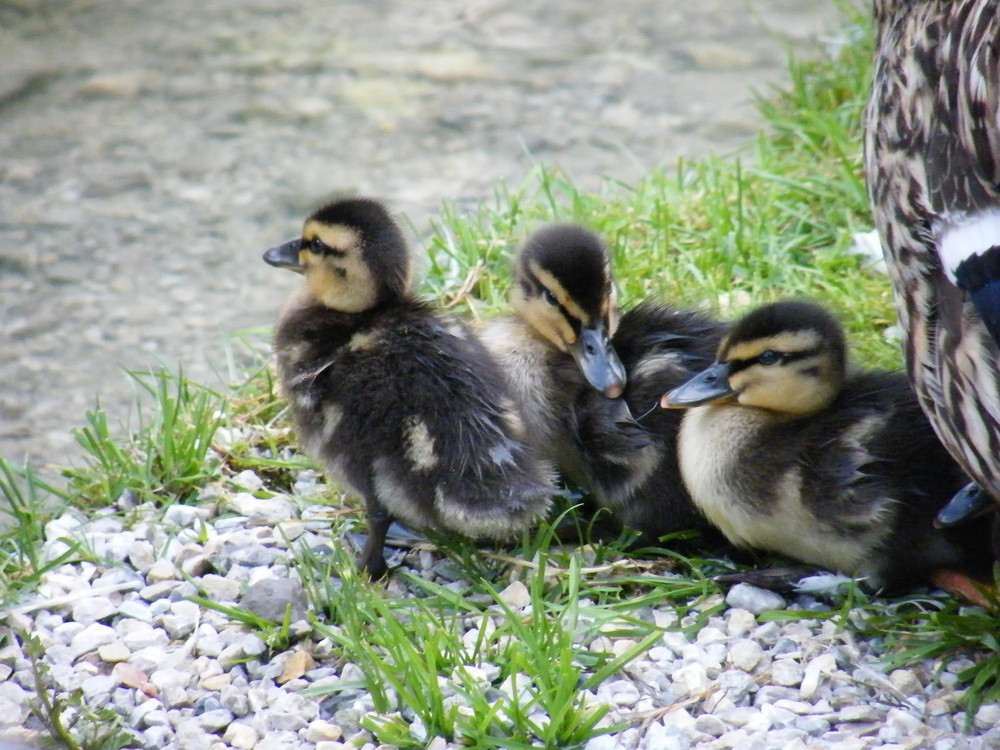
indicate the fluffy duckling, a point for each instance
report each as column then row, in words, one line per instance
column 399, row 403
column 788, row 452
column 627, row 448
column 566, row 354
column 932, row 162
column 558, row 343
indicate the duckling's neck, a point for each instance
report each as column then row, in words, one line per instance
column 532, row 367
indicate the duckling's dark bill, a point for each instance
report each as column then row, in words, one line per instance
column 707, row 387
column 285, row 256
column 599, row 362
column 970, row 502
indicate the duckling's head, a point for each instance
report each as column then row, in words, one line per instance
column 787, row 357
column 565, row 291
column 352, row 253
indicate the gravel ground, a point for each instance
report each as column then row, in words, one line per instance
column 183, row 676
column 151, row 150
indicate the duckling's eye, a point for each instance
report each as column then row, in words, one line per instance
column 768, row 357
column 317, row 245
column 549, row 297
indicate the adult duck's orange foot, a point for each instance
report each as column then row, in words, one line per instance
column 963, row 586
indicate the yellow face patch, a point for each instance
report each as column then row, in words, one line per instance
column 551, row 283
column 337, row 275
column 801, row 386
column 543, row 318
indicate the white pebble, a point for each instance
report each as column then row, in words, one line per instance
column 753, row 599
column 241, row 736
column 691, row 679
column 786, row 672
column 93, row 609
column 516, row 595
column 745, row 654
column 988, row 716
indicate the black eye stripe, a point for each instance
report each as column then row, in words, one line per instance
column 784, row 358
column 319, row 247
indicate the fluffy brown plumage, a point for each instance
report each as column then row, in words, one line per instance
column 563, row 283
column 399, row 403
column 784, row 450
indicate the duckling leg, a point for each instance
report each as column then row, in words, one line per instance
column 372, row 558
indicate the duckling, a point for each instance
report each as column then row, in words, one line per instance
column 627, row 449
column 558, row 342
column 784, row 450
column 561, row 356
column 400, row 403
column 932, row 160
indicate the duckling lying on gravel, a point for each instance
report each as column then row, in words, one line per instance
column 560, row 353
column 783, row 450
column 399, row 403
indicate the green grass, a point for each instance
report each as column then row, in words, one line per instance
column 718, row 234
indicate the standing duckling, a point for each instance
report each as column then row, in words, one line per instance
column 399, row 403
column 788, row 452
column 566, row 353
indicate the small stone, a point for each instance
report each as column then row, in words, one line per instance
column 859, row 713
column 161, row 570
column 219, row 589
column 129, row 675
column 215, row 682
column 159, row 590
column 241, row 736
column 98, row 686
column 987, row 717
column 260, row 511
column 247, row 480
column 182, row 620
column 149, row 658
column 135, row 609
column 182, row 516
column 516, row 595
column 753, row 599
column 114, row 652
column 252, row 645
column 711, row 725
column 739, row 622
column 320, row 730
column 786, row 672
column 92, row 637
column 745, row 654
column 270, row 597
column 139, row 635
column 737, row 685
column 92, row 609
column 295, row 666
column 215, row 721
column 906, row 682
column 197, row 565
column 691, row 679
column 824, row 664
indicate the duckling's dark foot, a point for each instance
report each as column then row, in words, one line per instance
column 969, row 502
column 961, row 586
column 783, row 580
column 372, row 558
